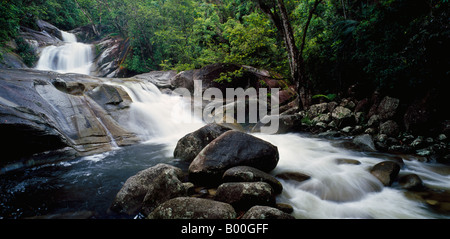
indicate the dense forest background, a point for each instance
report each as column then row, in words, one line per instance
column 393, row 46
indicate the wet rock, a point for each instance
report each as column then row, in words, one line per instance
column 244, row 195
column 161, row 79
column 439, row 201
column 343, row 117
column 184, row 79
column 69, row 215
column 386, row 172
column 348, row 161
column 249, row 174
column 390, row 128
column 325, row 118
column 294, row 176
column 193, row 208
column 411, row 182
column 442, row 137
column 232, row 148
column 147, row 189
column 49, row 28
column 417, row 142
column 284, row 207
column 373, row 121
column 191, row 144
column 110, row 52
column 317, row 110
column 388, row 107
column 287, row 123
column 48, row 111
column 265, row 212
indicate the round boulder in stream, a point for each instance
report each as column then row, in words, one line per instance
column 233, row 148
column 386, row 172
column 191, row 144
column 147, row 189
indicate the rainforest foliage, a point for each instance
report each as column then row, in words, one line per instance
column 390, row 45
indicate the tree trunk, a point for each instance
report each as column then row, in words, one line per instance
column 94, row 28
column 276, row 10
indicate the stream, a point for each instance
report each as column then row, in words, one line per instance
column 335, row 190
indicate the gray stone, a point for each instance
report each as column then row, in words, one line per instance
column 265, row 212
column 147, row 189
column 232, row 148
column 388, row 107
column 390, row 128
column 193, row 208
column 386, row 172
column 364, row 141
column 249, row 174
column 245, row 195
column 343, row 117
column 191, row 144
column 411, row 182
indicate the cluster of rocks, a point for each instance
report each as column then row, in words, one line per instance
column 228, row 178
column 380, row 119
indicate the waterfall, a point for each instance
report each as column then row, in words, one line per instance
column 70, row 57
column 335, row 190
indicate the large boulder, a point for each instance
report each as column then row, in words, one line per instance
column 147, row 189
column 249, row 174
column 388, row 107
column 389, row 128
column 191, row 144
column 365, row 142
column 245, row 195
column 232, row 148
column 193, row 208
column 110, row 52
column 386, row 172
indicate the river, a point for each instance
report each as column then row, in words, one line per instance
column 335, row 190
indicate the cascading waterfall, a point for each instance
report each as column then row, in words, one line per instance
column 334, row 191
column 70, row 57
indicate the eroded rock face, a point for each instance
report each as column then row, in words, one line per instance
column 232, row 148
column 47, row 111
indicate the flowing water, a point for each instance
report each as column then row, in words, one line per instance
column 70, row 57
column 335, row 190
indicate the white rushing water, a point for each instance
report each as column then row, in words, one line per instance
column 334, row 191
column 70, row 57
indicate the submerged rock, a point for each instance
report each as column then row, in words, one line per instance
column 193, row 208
column 411, row 182
column 233, row 148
